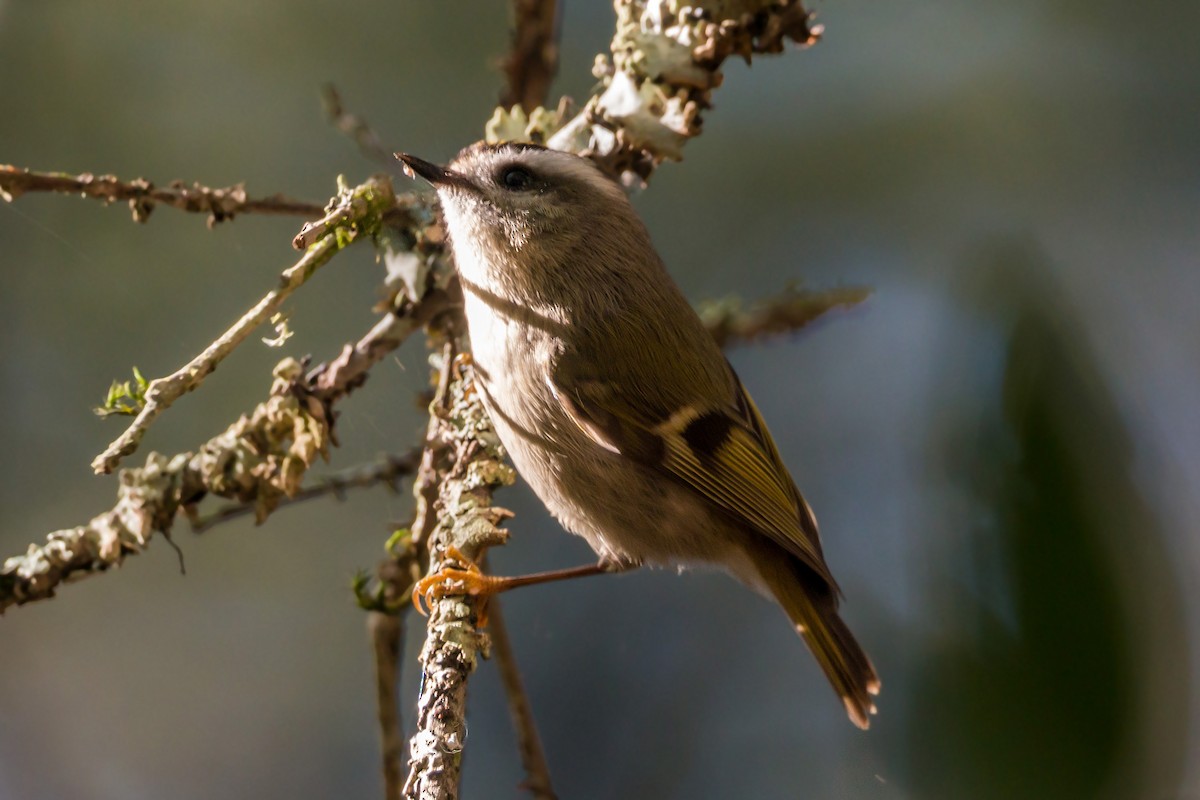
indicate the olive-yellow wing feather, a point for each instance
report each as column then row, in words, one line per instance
column 724, row 454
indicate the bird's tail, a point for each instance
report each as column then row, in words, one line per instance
column 811, row 604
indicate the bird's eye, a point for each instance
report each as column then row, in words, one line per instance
column 516, row 178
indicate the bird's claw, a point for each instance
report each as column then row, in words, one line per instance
column 460, row 366
column 467, row 580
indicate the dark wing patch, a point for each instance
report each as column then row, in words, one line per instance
column 707, row 432
column 742, row 478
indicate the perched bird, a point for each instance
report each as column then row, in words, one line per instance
column 615, row 403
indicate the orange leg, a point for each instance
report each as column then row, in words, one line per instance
column 469, row 580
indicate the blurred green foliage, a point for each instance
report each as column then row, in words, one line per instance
column 1035, row 686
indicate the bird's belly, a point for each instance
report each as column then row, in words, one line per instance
column 625, row 510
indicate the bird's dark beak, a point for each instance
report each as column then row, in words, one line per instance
column 438, row 176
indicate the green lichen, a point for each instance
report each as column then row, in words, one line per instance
column 514, row 125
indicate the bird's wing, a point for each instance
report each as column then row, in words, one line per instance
column 724, row 454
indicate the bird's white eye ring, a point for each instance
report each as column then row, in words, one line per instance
column 516, row 178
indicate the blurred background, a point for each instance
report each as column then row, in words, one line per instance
column 1002, row 444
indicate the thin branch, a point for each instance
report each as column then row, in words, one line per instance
column 331, row 381
column 142, row 195
column 387, row 635
column 349, row 210
column 260, row 460
column 387, row 471
column 529, row 743
column 426, row 493
column 386, row 602
column 357, row 128
column 358, row 211
column 533, row 58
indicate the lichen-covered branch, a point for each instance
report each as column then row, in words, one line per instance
column 387, row 471
column 260, row 459
column 356, row 212
column 470, row 465
column 219, row 204
column 731, row 322
column 665, row 63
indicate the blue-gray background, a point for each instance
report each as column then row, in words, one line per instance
column 1002, row 444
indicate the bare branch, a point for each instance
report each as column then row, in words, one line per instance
column 357, row 128
column 143, row 196
column 529, row 743
column 358, row 211
column 386, row 602
column 533, row 59
column 348, row 371
column 387, row 636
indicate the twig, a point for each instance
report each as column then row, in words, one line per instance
column 142, row 195
column 331, row 381
column 387, row 634
column 786, row 312
column 533, row 58
column 387, row 471
column 386, row 602
column 358, row 129
column 358, row 211
column 259, row 460
column 529, row 743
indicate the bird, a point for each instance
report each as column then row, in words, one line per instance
column 614, row 402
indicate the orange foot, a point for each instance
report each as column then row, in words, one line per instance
column 468, row 580
column 461, row 362
column 449, row 581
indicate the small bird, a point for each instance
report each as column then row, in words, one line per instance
column 613, row 400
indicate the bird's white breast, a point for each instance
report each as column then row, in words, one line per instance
column 514, row 360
